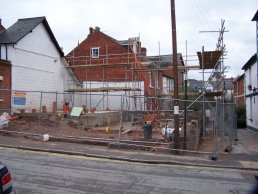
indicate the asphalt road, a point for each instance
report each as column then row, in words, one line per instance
column 46, row 173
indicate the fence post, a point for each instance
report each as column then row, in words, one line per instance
column 235, row 127
column 215, row 126
column 56, row 111
column 214, row 149
column 121, row 117
column 40, row 105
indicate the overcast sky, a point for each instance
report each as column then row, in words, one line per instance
column 151, row 20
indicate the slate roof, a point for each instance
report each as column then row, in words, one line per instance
column 255, row 18
column 165, row 60
column 250, row 62
column 194, row 85
column 24, row 26
column 239, row 77
column 226, row 82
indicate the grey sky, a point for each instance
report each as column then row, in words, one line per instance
column 70, row 21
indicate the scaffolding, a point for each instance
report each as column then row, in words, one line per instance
column 142, row 95
column 138, row 76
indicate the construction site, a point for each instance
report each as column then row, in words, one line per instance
column 130, row 100
column 117, row 95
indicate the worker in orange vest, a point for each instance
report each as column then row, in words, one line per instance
column 66, row 109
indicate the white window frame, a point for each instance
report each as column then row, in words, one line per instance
column 1, row 96
column 150, row 79
column 95, row 52
column 170, row 85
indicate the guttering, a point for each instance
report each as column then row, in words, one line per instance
column 251, row 95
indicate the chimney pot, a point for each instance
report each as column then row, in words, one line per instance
column 97, row 28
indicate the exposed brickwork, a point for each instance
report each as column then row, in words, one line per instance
column 110, row 52
column 2, row 28
column 239, row 92
column 5, row 71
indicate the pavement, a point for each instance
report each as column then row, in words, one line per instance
column 244, row 153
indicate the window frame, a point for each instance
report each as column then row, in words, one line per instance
column 150, row 79
column 95, row 55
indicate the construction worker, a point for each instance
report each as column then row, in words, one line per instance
column 66, row 109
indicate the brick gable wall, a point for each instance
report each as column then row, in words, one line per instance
column 5, row 71
column 239, row 92
column 110, row 52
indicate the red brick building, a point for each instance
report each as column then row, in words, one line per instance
column 104, row 59
column 239, row 92
column 5, row 86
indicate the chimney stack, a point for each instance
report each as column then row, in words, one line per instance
column 2, row 28
column 91, row 30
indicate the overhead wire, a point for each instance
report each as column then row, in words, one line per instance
column 206, row 12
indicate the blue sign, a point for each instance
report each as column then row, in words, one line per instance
column 19, row 98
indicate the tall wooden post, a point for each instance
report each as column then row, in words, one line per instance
column 175, row 71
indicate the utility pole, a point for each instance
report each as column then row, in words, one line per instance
column 185, row 103
column 175, row 71
column 185, row 111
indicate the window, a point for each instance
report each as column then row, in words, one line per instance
column 1, row 87
column 170, row 85
column 135, row 46
column 150, row 79
column 95, row 52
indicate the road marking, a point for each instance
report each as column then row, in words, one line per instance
column 249, row 164
column 128, row 162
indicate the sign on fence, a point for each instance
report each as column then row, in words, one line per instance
column 19, row 98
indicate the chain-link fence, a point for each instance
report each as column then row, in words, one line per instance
column 224, row 130
column 209, row 125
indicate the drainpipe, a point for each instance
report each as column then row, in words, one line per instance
column 6, row 55
column 11, row 86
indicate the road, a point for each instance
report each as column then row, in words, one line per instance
column 36, row 172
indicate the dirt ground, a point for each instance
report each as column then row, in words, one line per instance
column 62, row 127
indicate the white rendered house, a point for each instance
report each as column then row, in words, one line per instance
column 38, row 67
column 251, row 93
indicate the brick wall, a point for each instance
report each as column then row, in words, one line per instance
column 239, row 92
column 2, row 28
column 110, row 52
column 5, row 72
